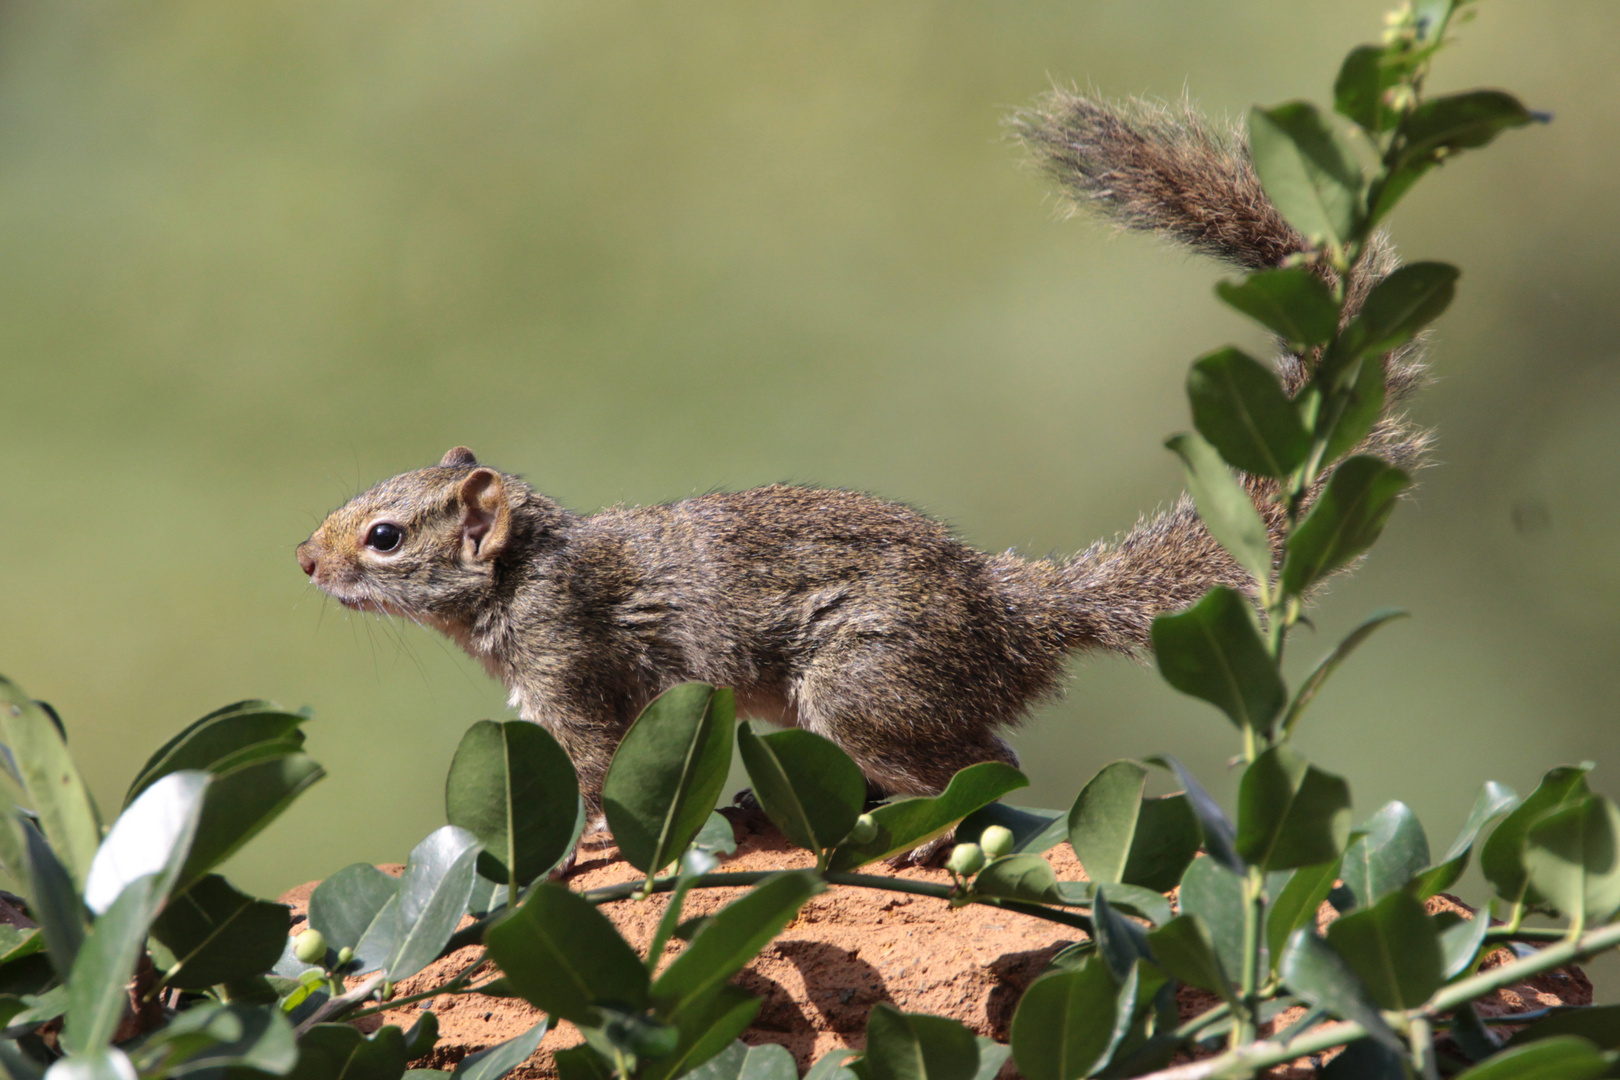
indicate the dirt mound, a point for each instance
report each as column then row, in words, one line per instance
column 848, row 949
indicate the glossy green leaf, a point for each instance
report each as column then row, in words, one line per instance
column 908, row 823
column 1290, row 813
column 1185, row 948
column 1220, row 837
column 51, row 782
column 1314, row 972
column 241, row 801
column 513, row 787
column 222, row 740
column 1561, row 1057
column 1024, row 876
column 1213, row 651
column 717, row 837
column 432, row 898
column 668, row 772
column 1120, row 942
column 1391, row 852
column 55, row 902
column 346, row 905
column 153, row 836
column 217, row 933
column 1358, row 92
column 1064, row 1023
column 422, row 1035
column 1166, row 842
column 1241, row 409
column 210, row 1036
column 706, row 1026
column 1297, row 903
column 1034, row 830
column 562, row 955
column 916, row 1046
column 1215, row 894
column 739, row 1061
column 1224, row 505
column 1502, row 857
column 104, row 966
column 340, row 1052
column 1460, row 943
column 1307, row 169
column 496, row 1061
column 1326, row 666
column 1396, row 310
column 1353, row 412
column 1295, row 304
column 1598, row 1023
column 1492, row 801
column 1394, row 947
column 733, row 937
column 1572, row 856
column 830, row 1066
column 809, row 788
column 1454, row 122
column 1345, row 521
column 1102, row 822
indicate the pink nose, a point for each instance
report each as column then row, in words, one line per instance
column 306, row 560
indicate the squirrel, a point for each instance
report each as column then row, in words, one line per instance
column 856, row 618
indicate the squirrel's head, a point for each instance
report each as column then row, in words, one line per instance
column 429, row 542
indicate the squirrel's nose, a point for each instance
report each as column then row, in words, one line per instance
column 306, row 560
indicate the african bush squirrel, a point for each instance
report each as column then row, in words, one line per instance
column 859, row 619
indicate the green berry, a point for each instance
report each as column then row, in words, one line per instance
column 996, row 841
column 345, row 954
column 966, row 859
column 865, row 830
column 310, row 947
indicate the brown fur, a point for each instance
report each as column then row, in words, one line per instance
column 853, row 617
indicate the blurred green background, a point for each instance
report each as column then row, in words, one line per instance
column 258, row 255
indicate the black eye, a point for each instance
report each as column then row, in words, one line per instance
column 384, row 536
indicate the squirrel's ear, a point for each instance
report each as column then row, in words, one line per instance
column 486, row 519
column 457, row 457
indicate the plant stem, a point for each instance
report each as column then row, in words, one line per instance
column 451, row 987
column 1254, row 908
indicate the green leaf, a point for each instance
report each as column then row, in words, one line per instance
column 1388, row 190
column 717, row 836
column 55, row 902
column 422, row 1036
column 1598, row 1023
column 1120, row 942
column 1290, row 813
column 1166, row 842
column 1314, row 972
column 1460, row 943
column 104, row 1063
column 739, row 1061
column 1493, row 800
column 809, row 788
column 1353, row 411
column 1185, row 948
column 1240, row 408
column 218, row 934
column 1562, row 1057
column 1025, row 876
column 1573, row 858
column 562, row 955
column 151, row 837
column 582, row 1063
column 1358, row 92
column 513, row 787
column 1307, row 169
column 1391, row 852
column 1367, row 1059
column 1064, row 1023
column 1034, row 830
column 732, row 938
column 209, row 1036
column 340, row 1052
column 1102, row 822
column 222, row 740
column 1215, row 894
column 1220, row 838
column 1345, row 521
column 1394, row 947
column 830, row 1066
column 1295, row 304
column 1396, row 310
column 105, row 964
column 1225, row 507
column 706, row 1028
column 908, row 823
column 1213, row 651
column 51, row 782
column 432, row 898
column 496, row 1061
column 668, row 772
column 1326, row 666
column 346, row 905
column 241, row 801
column 1502, row 857
column 1297, row 903
column 1455, row 122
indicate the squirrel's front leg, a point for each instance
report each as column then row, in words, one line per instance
column 588, row 731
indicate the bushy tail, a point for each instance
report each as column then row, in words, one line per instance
column 1167, row 170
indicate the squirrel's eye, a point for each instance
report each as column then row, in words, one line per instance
column 384, row 536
